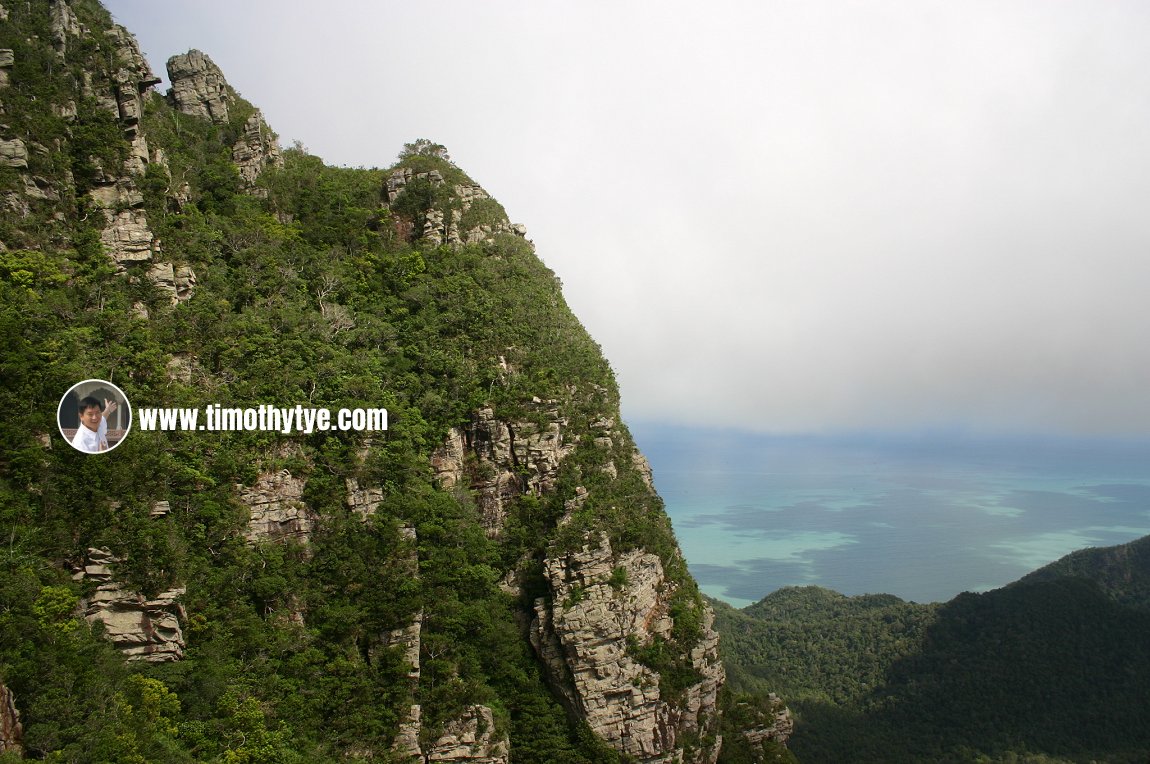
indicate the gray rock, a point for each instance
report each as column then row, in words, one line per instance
column 775, row 723
column 64, row 25
column 198, row 87
column 178, row 282
column 362, row 501
column 13, row 153
column 511, row 459
column 277, row 512
column 256, row 150
column 470, row 738
column 142, row 629
column 581, row 633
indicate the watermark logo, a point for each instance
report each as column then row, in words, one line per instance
column 264, row 418
column 94, row 416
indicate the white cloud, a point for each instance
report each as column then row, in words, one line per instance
column 783, row 216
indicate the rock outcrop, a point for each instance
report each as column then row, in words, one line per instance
column 126, row 235
column 471, row 738
column 775, row 724
column 178, row 282
column 603, row 606
column 142, row 629
column 254, row 151
column 198, row 86
column 450, row 222
column 362, row 501
column 200, row 89
column 511, row 458
column 276, row 510
column 11, row 731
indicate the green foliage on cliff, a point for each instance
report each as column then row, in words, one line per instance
column 1051, row 668
column 314, row 292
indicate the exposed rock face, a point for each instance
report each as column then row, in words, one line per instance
column 64, row 25
column 14, row 154
column 277, row 513
column 198, row 86
column 470, row 738
column 444, row 225
column 511, row 458
column 126, row 236
column 407, row 740
column 142, row 629
column 362, row 501
column 777, row 724
column 200, row 89
column 177, row 282
column 581, row 633
column 255, row 150
column 11, row 731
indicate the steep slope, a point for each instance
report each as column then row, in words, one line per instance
column 1056, row 664
column 491, row 576
column 1122, row 572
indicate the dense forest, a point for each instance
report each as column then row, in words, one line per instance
column 316, row 286
column 1054, row 667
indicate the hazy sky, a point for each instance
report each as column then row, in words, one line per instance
column 783, row 216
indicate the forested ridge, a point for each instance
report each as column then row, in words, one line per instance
column 311, row 285
column 1054, row 667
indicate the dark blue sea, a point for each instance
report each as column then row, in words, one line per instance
column 923, row 517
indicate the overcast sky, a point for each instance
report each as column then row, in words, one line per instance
column 781, row 216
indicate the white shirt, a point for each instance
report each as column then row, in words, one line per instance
column 92, row 442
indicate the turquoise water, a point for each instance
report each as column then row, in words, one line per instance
column 923, row 518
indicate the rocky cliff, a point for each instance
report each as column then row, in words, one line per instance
column 491, row 578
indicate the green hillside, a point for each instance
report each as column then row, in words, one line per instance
column 1052, row 667
column 337, row 596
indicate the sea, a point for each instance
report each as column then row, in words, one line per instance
column 922, row 516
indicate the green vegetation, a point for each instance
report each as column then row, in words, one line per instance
column 312, row 292
column 1051, row 668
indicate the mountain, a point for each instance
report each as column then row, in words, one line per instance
column 1053, row 667
column 491, row 576
column 1122, row 572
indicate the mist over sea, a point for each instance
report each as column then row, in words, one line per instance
column 922, row 517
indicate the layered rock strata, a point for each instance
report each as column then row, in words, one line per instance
column 471, row 738
column 775, row 725
column 510, row 458
column 200, row 89
column 445, row 224
column 142, row 629
column 586, row 634
column 277, row 512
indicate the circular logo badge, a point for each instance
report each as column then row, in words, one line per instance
column 94, row 416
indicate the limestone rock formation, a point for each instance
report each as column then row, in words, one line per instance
column 64, row 25
column 582, row 633
column 198, row 86
column 776, row 724
column 510, row 458
column 200, row 89
column 471, row 738
column 11, row 731
column 13, row 154
column 142, row 629
column 126, row 236
column 177, row 282
column 406, row 743
column 444, row 224
column 277, row 513
column 362, row 501
column 256, row 149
